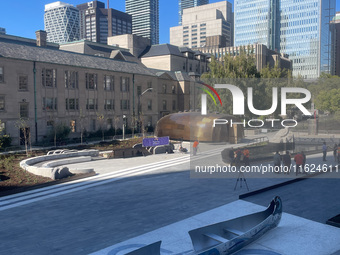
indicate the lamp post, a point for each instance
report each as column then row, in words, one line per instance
column 140, row 107
column 124, row 118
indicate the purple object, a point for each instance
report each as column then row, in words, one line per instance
column 151, row 142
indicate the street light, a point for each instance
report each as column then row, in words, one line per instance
column 140, row 107
column 124, row 118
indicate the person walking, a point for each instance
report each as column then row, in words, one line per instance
column 335, row 152
column 303, row 162
column 195, row 147
column 287, row 162
column 298, row 161
column 277, row 162
column 324, row 151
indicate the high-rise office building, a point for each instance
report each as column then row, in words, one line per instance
column 184, row 4
column 205, row 25
column 94, row 25
column 61, row 22
column 145, row 18
column 297, row 28
column 335, row 28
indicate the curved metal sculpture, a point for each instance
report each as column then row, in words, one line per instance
column 192, row 125
column 230, row 236
column 227, row 237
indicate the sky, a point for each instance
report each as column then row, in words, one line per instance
column 24, row 17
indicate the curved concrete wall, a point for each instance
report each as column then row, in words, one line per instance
column 51, row 169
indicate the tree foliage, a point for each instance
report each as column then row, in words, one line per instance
column 241, row 71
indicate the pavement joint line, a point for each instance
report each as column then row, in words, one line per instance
column 105, row 181
column 97, row 177
column 76, row 181
column 84, row 185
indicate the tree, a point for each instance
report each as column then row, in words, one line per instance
column 101, row 120
column 241, row 71
column 23, row 125
column 328, row 100
column 82, row 119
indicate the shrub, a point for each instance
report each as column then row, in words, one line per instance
column 5, row 141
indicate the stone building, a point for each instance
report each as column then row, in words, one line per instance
column 46, row 86
column 200, row 22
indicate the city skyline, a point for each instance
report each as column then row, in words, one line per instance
column 16, row 24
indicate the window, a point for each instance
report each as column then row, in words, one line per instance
column 139, row 90
column 92, row 104
column 149, row 105
column 2, row 103
column 91, row 81
column 73, row 126
column 23, row 80
column 108, row 123
column 49, row 77
column 24, row 110
column 124, row 104
column 164, row 88
column 50, row 123
column 173, row 89
column 71, row 79
column 108, row 82
column 2, row 75
column 164, row 105
column 72, row 104
column 149, row 84
column 108, row 104
column 174, row 105
column 49, row 103
column 124, row 84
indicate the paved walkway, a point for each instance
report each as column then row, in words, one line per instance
column 294, row 235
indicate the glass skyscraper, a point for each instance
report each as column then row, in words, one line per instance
column 145, row 18
column 61, row 22
column 299, row 28
column 183, row 4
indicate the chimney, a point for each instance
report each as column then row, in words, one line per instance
column 41, row 36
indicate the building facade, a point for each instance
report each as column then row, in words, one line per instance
column 97, row 23
column 184, row 4
column 335, row 28
column 297, row 28
column 81, row 89
column 263, row 56
column 145, row 18
column 201, row 22
column 61, row 22
column 176, row 59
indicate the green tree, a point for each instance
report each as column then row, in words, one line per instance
column 328, row 100
column 241, row 71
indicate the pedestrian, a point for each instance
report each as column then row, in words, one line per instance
column 277, row 162
column 324, row 151
column 304, row 161
column 195, row 147
column 287, row 162
column 246, row 160
column 298, row 161
column 238, row 154
column 335, row 152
